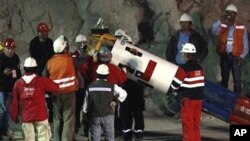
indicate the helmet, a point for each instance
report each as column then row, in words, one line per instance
column 102, row 69
column 232, row 7
column 30, row 62
column 80, row 38
column 188, row 48
column 126, row 38
column 59, row 44
column 42, row 27
column 1, row 46
column 9, row 43
column 104, row 54
column 185, row 18
column 119, row 32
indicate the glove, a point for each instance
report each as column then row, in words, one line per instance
column 112, row 105
column 16, row 120
column 169, row 92
column 7, row 71
column 124, row 69
column 147, row 91
column 91, row 52
column 174, row 93
column 239, row 61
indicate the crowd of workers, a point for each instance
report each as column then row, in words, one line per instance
column 70, row 89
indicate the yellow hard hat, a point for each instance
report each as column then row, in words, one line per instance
column 1, row 46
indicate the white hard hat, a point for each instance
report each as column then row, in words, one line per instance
column 30, row 62
column 188, row 48
column 185, row 18
column 59, row 44
column 102, row 69
column 80, row 38
column 126, row 38
column 119, row 32
column 232, row 7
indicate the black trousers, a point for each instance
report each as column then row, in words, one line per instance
column 79, row 103
column 128, row 113
column 50, row 107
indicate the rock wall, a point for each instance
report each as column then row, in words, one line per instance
column 150, row 21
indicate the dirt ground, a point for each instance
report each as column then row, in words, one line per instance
column 164, row 128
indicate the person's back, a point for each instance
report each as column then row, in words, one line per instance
column 29, row 93
column 61, row 70
column 101, row 97
column 100, row 100
column 61, row 66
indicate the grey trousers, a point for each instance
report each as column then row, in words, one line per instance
column 96, row 124
column 64, row 116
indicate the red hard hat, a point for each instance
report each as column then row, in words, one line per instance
column 42, row 27
column 9, row 43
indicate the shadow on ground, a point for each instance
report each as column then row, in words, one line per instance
column 156, row 136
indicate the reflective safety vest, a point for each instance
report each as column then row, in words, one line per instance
column 237, row 39
column 61, row 70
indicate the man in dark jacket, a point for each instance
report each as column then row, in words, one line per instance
column 41, row 49
column 131, row 110
column 79, row 57
column 173, row 53
column 9, row 73
column 186, row 35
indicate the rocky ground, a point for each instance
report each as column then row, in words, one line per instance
column 164, row 128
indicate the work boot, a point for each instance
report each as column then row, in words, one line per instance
column 138, row 136
column 127, row 136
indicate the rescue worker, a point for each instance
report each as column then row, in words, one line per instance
column 29, row 91
column 189, row 80
column 132, row 108
column 41, row 46
column 41, row 49
column 9, row 73
column 232, row 46
column 173, row 53
column 119, row 33
column 118, row 76
column 99, row 100
column 60, row 68
column 79, row 57
column 104, row 56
